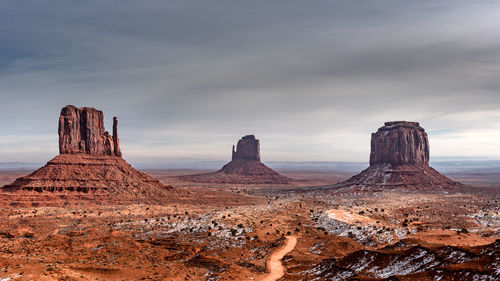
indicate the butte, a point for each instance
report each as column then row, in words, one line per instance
column 245, row 167
column 399, row 158
column 88, row 170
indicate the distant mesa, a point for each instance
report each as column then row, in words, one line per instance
column 400, row 158
column 245, row 167
column 248, row 148
column 88, row 167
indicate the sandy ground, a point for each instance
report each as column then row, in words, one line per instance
column 225, row 241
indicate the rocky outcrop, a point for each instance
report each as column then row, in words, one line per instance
column 244, row 168
column 400, row 143
column 89, row 168
column 410, row 262
column 399, row 158
column 248, row 148
column 81, row 130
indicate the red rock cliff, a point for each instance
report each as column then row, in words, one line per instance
column 81, row 130
column 248, row 148
column 400, row 143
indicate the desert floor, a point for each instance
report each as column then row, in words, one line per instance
column 447, row 233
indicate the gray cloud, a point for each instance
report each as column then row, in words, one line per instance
column 311, row 79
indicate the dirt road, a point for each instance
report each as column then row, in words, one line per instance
column 274, row 266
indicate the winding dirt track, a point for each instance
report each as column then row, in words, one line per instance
column 274, row 266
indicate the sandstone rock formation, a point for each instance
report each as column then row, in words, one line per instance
column 244, row 168
column 400, row 158
column 399, row 143
column 81, row 130
column 89, row 167
column 248, row 148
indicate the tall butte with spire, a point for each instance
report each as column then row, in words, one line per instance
column 89, row 167
column 81, row 130
column 399, row 157
column 245, row 167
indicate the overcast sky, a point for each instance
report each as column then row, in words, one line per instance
column 311, row 79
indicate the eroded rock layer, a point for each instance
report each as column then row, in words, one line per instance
column 419, row 177
column 399, row 158
column 103, row 179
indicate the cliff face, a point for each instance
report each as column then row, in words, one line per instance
column 400, row 143
column 399, row 158
column 81, row 130
column 248, row 148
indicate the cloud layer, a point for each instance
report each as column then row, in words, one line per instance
column 311, row 79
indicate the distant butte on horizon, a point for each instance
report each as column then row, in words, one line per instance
column 245, row 167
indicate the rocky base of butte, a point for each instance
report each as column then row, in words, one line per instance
column 399, row 158
column 244, row 168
